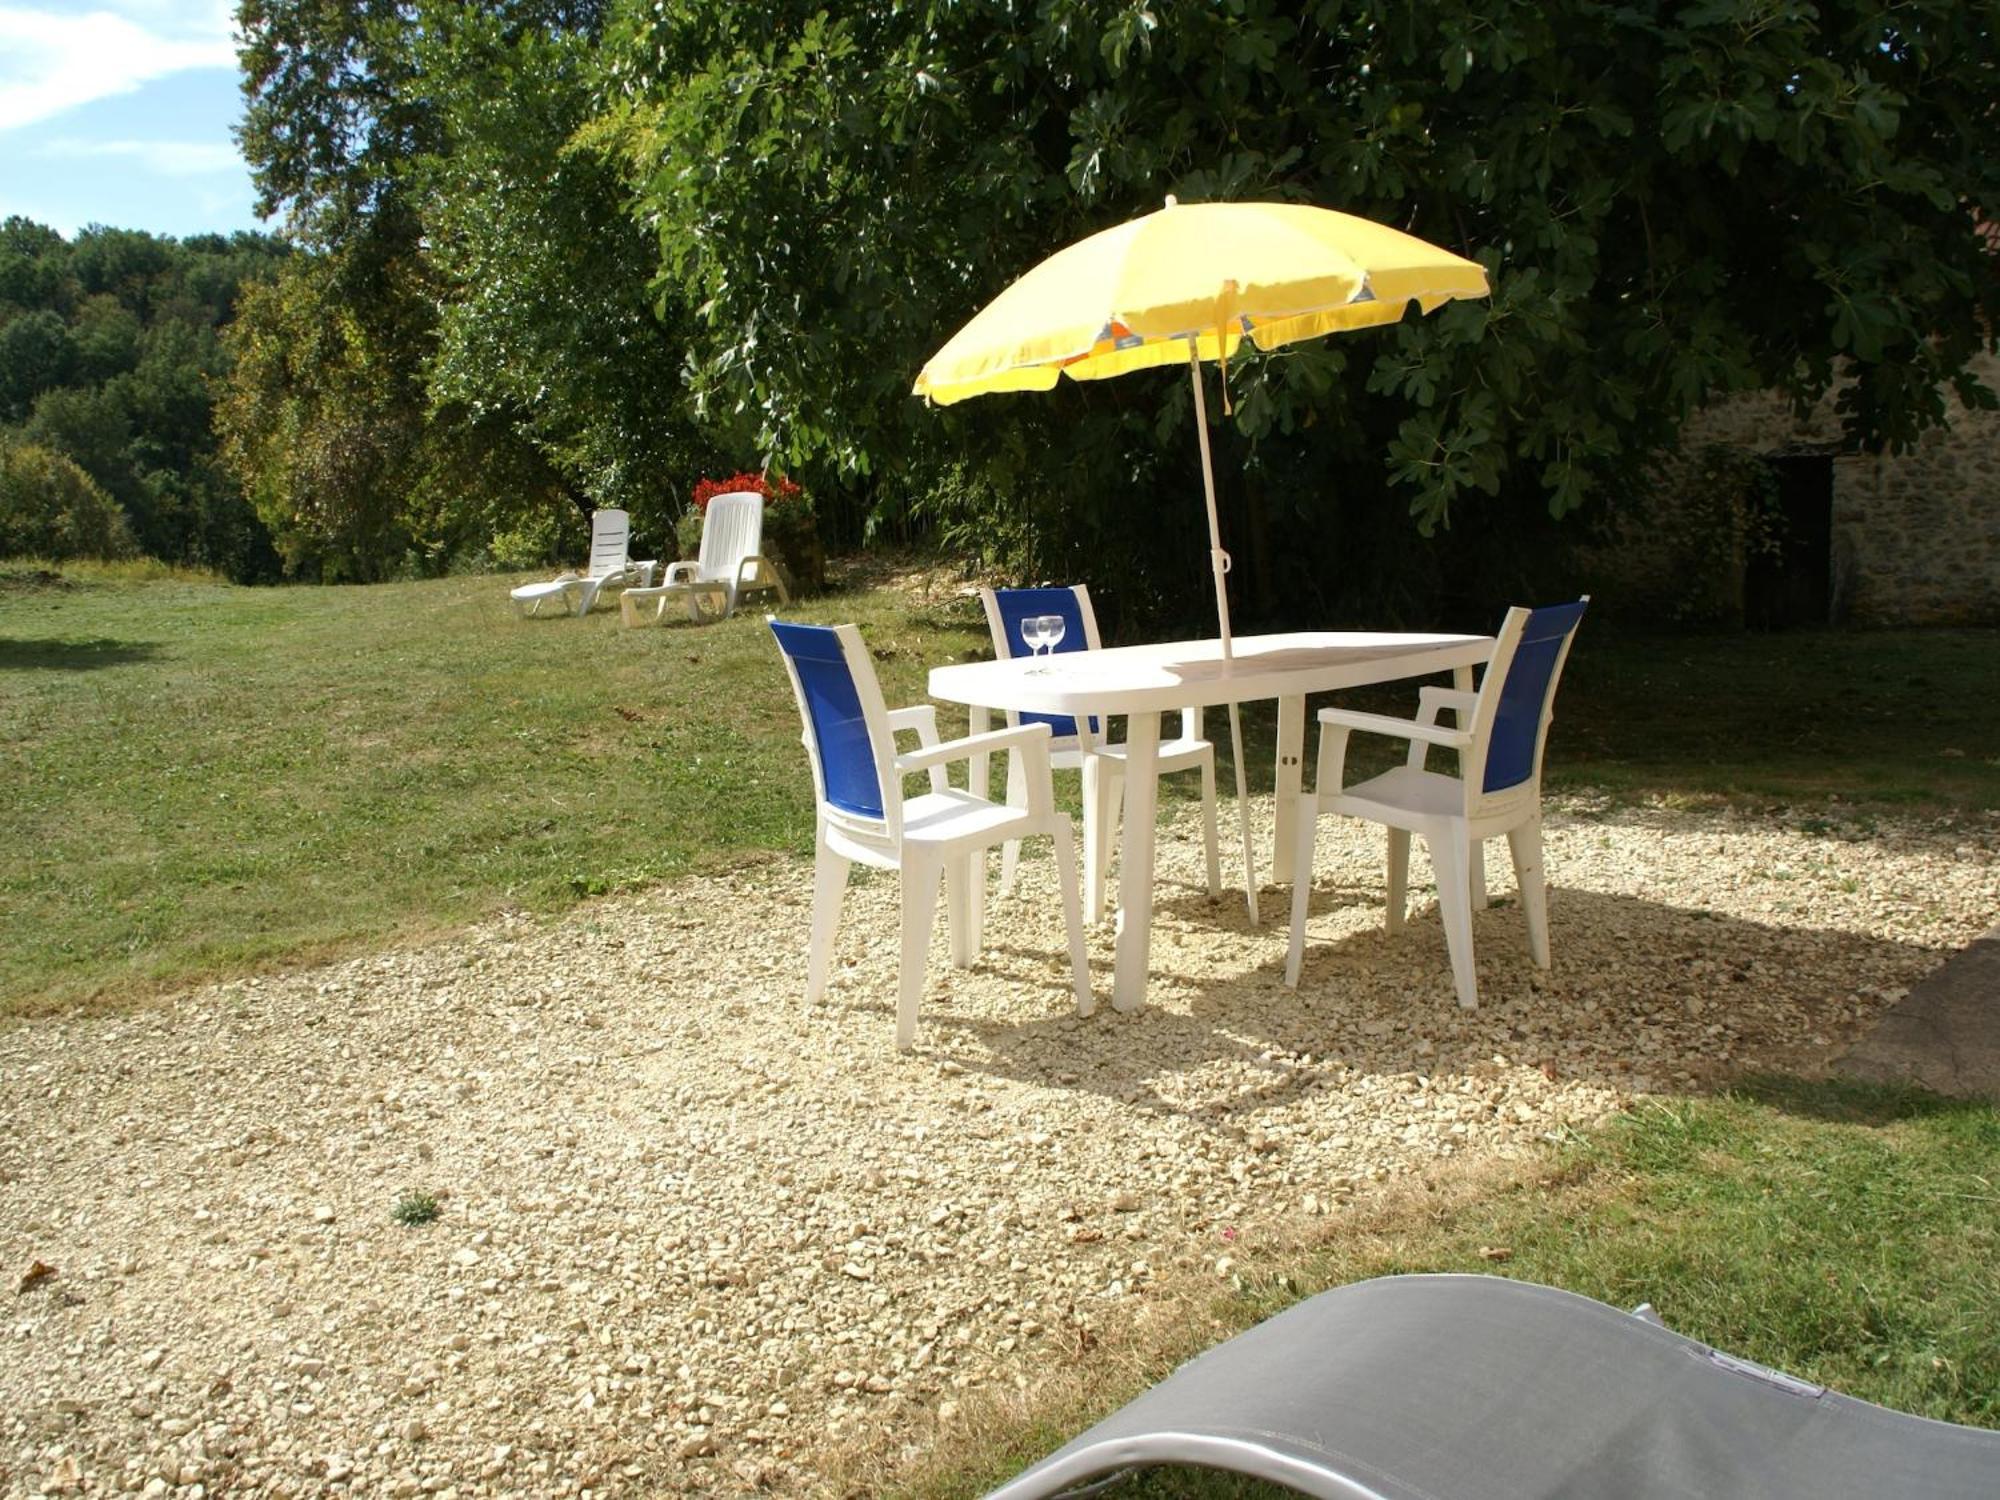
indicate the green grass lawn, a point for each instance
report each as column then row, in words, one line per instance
column 203, row 778
column 1845, row 1234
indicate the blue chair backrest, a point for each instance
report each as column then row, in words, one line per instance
column 1517, row 724
column 1017, row 605
column 833, row 716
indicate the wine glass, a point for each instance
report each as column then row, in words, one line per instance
column 1054, row 628
column 1042, row 634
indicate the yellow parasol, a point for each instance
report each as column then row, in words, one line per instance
column 1191, row 282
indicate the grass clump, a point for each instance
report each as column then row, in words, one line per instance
column 413, row 1209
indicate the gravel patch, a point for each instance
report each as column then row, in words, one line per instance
column 690, row 1231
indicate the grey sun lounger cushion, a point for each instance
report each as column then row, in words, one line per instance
column 1479, row 1388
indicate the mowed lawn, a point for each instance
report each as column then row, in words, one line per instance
column 202, row 778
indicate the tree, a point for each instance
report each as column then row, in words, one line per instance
column 376, row 471
column 36, row 355
column 1674, row 205
column 111, row 366
column 322, row 425
column 548, row 328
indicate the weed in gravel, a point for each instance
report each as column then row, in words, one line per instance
column 416, row 1208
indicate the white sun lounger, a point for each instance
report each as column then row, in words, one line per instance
column 610, row 563
column 730, row 566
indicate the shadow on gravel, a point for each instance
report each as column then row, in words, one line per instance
column 1643, row 996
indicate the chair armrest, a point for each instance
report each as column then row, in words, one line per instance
column 1029, row 741
column 1431, row 699
column 1028, row 737
column 920, row 719
column 1430, row 702
column 681, row 572
column 1400, row 729
column 1336, row 724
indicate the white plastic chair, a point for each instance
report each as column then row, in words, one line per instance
column 610, row 564
column 1080, row 746
column 1501, row 732
column 731, row 565
column 940, row 836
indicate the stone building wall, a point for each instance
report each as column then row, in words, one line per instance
column 1916, row 536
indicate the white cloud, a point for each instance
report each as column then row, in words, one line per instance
column 167, row 158
column 52, row 61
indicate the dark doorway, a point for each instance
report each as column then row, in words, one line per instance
column 1791, row 582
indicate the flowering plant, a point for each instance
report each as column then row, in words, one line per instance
column 773, row 490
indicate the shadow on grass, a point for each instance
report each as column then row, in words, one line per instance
column 73, row 656
column 1841, row 1101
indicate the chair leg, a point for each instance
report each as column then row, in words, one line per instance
column 1302, row 880
column 1010, row 852
column 921, row 877
column 1110, row 799
column 1476, row 872
column 958, row 909
column 829, row 889
column 1451, row 856
column 1399, row 879
column 1526, row 844
column 1079, row 960
column 1208, row 826
column 976, row 904
column 1095, row 831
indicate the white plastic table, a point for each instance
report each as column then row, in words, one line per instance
column 1143, row 682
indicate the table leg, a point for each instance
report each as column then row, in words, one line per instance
column 1135, row 868
column 1461, row 678
column 979, row 781
column 1291, row 775
column 1243, row 814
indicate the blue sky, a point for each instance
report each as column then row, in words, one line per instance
column 119, row 112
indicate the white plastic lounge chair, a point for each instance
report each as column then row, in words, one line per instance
column 610, row 564
column 1502, row 730
column 1083, row 746
column 731, row 565
column 1479, row 1388
column 942, row 835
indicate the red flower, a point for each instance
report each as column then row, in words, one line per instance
column 772, row 488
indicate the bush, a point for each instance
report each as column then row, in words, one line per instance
column 537, row 540
column 50, row 508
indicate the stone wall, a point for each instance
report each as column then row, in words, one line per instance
column 1916, row 536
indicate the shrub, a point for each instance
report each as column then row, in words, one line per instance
column 50, row 508
column 535, row 541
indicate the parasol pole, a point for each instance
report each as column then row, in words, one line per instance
column 1219, row 564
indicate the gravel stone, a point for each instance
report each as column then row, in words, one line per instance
column 693, row 1230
